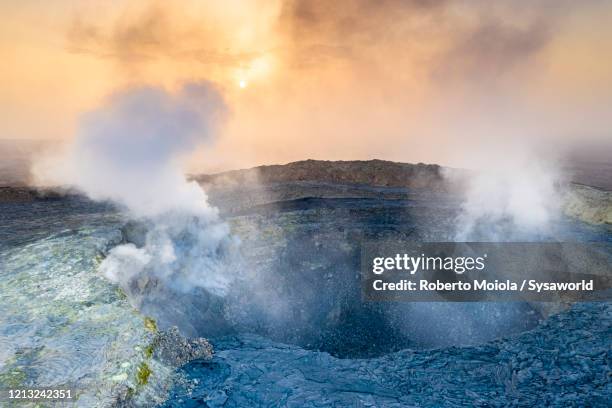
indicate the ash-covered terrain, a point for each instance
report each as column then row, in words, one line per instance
column 291, row 328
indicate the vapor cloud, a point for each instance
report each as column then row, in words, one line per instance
column 129, row 151
column 429, row 33
column 155, row 33
column 515, row 198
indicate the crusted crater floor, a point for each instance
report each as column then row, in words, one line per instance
column 293, row 330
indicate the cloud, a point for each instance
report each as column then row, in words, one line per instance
column 152, row 33
column 351, row 29
column 472, row 38
column 129, row 150
column 437, row 39
column 492, row 49
column 400, row 80
column 147, row 36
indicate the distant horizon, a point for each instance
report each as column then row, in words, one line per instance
column 597, row 174
column 595, row 152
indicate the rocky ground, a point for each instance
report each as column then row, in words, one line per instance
column 565, row 362
column 374, row 173
column 312, row 342
column 589, row 204
column 343, row 179
column 64, row 325
column 316, row 351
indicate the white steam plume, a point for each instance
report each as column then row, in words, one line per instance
column 129, row 151
column 512, row 196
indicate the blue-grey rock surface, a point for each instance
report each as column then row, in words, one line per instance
column 565, row 362
column 292, row 329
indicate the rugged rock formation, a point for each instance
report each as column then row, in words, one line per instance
column 562, row 363
column 168, row 351
column 171, row 348
column 375, row 173
column 21, row 194
column 302, row 248
column 344, row 179
column 588, row 204
column 340, row 179
column 237, row 190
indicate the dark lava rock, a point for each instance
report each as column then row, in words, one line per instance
column 565, row 362
column 371, row 172
column 171, row 348
column 17, row 194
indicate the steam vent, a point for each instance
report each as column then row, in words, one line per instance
column 290, row 324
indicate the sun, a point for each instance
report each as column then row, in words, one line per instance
column 243, row 83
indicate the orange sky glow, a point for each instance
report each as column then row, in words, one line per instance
column 415, row 80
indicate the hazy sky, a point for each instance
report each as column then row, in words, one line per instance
column 412, row 80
